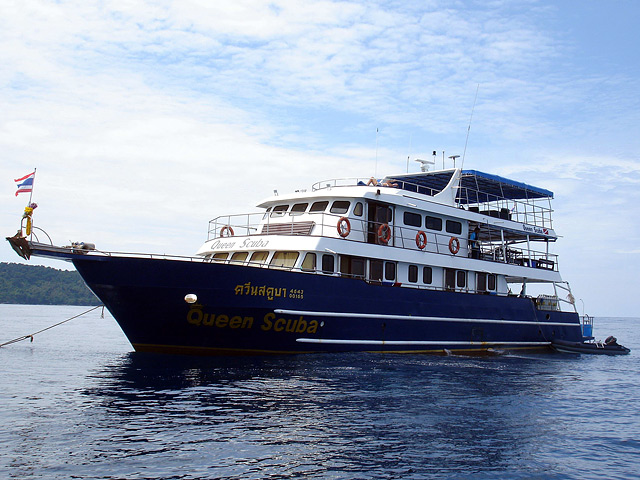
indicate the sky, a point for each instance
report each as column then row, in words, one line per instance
column 145, row 120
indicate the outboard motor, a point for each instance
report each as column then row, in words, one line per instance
column 611, row 340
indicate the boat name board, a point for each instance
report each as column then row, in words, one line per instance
column 270, row 322
column 225, row 243
column 537, row 230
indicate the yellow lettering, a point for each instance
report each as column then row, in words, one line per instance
column 248, row 322
column 313, row 327
column 208, row 319
column 279, row 325
column 235, row 322
column 222, row 321
column 291, row 326
column 267, row 321
column 302, row 325
column 195, row 314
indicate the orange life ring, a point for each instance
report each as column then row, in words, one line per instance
column 344, row 227
column 225, row 229
column 421, row 239
column 384, row 233
column 454, row 245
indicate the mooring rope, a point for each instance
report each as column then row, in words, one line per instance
column 24, row 337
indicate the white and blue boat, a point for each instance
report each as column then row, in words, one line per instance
column 441, row 261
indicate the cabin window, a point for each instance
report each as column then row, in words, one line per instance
column 284, row 259
column 239, row 257
column 327, row 263
column 319, row 206
column 486, row 282
column 340, row 206
column 433, row 223
column 427, row 275
column 266, row 213
column 358, row 209
column 454, row 227
column 375, row 270
column 461, row 278
column 449, row 279
column 412, row 219
column 220, row 257
column 389, row 271
column 413, row 273
column 298, row 208
column 352, row 266
column 309, row 262
column 279, row 210
column 259, row 257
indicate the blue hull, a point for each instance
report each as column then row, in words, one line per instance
column 249, row 310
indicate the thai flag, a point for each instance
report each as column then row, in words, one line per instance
column 25, row 184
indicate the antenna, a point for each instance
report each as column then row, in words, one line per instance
column 375, row 174
column 469, row 128
column 424, row 164
column 453, row 157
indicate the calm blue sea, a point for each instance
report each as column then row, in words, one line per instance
column 77, row 403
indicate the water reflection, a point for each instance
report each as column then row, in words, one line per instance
column 403, row 416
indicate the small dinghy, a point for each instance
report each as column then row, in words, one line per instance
column 609, row 347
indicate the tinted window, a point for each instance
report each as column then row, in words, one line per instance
column 492, row 282
column 319, row 207
column 298, row 208
column 284, row 259
column 481, row 282
column 427, row 275
column 340, row 206
column 413, row 273
column 327, row 263
column 259, row 257
column 375, row 270
column 279, row 210
column 357, row 210
column 412, row 219
column 449, row 279
column 239, row 257
column 389, row 271
column 461, row 278
column 454, row 227
column 434, row 223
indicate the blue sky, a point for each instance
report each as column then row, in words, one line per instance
column 147, row 119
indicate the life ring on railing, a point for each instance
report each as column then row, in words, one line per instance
column 344, row 227
column 225, row 229
column 454, row 245
column 384, row 233
column 421, row 239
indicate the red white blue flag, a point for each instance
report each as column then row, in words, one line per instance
column 25, row 184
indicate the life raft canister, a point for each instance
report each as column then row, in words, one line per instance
column 384, row 233
column 454, row 245
column 421, row 239
column 226, row 231
column 344, row 227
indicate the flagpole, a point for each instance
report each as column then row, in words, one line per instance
column 32, row 186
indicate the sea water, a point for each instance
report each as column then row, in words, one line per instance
column 78, row 403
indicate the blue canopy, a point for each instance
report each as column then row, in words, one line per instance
column 475, row 186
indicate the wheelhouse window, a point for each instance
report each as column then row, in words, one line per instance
column 309, row 262
column 427, row 275
column 413, row 274
column 319, row 206
column 454, row 227
column 259, row 257
column 279, row 210
column 340, row 206
column 328, row 263
column 433, row 223
column 298, row 209
column 412, row 219
column 239, row 257
column 284, row 259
